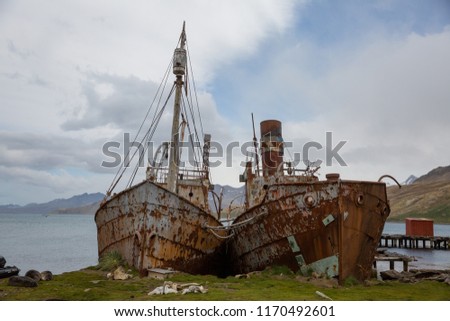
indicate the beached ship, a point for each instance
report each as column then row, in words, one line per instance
column 290, row 217
column 293, row 219
column 160, row 222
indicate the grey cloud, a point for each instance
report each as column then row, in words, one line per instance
column 46, row 152
column 124, row 107
column 22, row 53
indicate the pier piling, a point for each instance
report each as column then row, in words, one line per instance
column 414, row 242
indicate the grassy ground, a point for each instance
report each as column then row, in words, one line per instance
column 91, row 284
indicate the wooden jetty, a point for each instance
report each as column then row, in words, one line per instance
column 414, row 242
column 392, row 259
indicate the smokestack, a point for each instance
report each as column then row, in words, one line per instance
column 271, row 147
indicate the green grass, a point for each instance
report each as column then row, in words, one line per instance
column 110, row 261
column 91, row 284
column 439, row 214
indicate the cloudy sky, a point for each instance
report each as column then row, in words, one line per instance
column 77, row 74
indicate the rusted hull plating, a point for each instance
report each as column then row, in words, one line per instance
column 331, row 227
column 152, row 227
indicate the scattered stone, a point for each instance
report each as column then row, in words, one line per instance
column 447, row 280
column 22, row 281
column 426, row 274
column 95, row 281
column 35, row 275
column 110, row 276
column 415, row 275
column 408, row 280
column 390, row 275
column 120, row 274
column 46, row 276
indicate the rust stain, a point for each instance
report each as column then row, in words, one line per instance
column 325, row 220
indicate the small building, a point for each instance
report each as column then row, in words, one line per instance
column 419, row 227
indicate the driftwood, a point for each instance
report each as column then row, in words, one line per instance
column 323, row 296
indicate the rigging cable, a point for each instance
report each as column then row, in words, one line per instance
column 149, row 135
column 195, row 90
column 161, row 88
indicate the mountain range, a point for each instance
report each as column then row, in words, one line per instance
column 84, row 204
column 89, row 203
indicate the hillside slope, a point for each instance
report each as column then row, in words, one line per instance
column 428, row 196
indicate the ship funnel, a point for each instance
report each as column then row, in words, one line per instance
column 271, row 147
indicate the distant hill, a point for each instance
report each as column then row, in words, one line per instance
column 230, row 196
column 76, row 204
column 89, row 203
column 428, row 196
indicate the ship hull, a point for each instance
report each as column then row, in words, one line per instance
column 154, row 228
column 331, row 228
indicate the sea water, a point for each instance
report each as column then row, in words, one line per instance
column 68, row 242
column 58, row 243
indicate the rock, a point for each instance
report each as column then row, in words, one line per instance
column 447, row 280
column 46, row 276
column 390, row 275
column 408, row 280
column 120, row 274
column 427, row 274
column 439, row 278
column 415, row 275
column 22, row 281
column 250, row 274
column 2, row 262
column 35, row 275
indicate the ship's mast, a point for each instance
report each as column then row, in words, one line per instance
column 179, row 69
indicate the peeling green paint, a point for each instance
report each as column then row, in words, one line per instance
column 327, row 220
column 293, row 244
column 328, row 266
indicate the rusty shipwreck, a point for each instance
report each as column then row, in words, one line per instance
column 293, row 219
column 160, row 222
column 289, row 218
